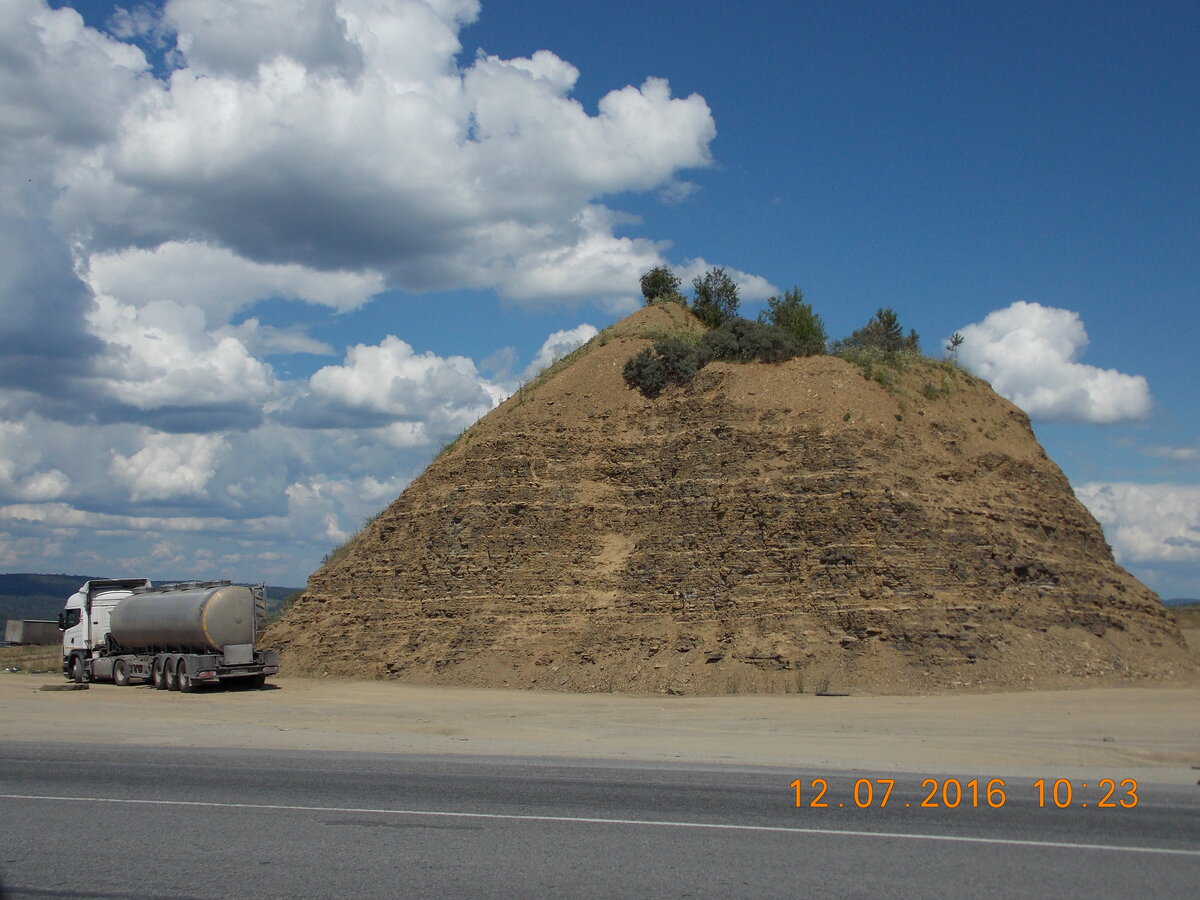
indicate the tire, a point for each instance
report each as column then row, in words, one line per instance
column 121, row 673
column 255, row 682
column 170, row 678
column 156, row 674
column 78, row 673
column 183, row 679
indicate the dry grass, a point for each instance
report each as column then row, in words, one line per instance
column 32, row 658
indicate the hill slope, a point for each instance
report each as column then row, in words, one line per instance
column 765, row 528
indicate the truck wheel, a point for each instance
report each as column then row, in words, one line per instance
column 78, row 674
column 255, row 682
column 120, row 673
column 170, row 678
column 183, row 679
column 156, row 674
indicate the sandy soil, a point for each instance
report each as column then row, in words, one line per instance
column 1148, row 734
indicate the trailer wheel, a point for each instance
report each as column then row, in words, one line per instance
column 183, row 679
column 170, row 677
column 78, row 674
column 120, row 673
column 156, row 674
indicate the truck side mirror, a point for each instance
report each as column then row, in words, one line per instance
column 62, row 621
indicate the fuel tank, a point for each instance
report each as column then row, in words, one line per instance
column 198, row 619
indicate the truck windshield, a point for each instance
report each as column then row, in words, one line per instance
column 68, row 618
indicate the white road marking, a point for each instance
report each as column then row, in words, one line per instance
column 649, row 823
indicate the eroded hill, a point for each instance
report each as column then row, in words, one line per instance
column 790, row 527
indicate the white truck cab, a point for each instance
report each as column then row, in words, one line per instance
column 84, row 620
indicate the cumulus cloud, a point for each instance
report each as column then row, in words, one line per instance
column 167, row 366
column 1147, row 523
column 220, row 282
column 170, row 466
column 352, row 140
column 1029, row 354
column 390, row 382
column 221, row 38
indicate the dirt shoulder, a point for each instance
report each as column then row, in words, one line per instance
column 1149, row 734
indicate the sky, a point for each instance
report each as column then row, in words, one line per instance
column 260, row 261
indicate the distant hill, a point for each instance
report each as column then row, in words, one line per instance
column 26, row 595
column 1182, row 601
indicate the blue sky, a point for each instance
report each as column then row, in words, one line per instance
column 262, row 260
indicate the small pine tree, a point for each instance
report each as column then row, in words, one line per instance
column 956, row 341
column 883, row 333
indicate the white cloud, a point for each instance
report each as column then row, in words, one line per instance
column 221, row 38
column 1147, row 522
column 44, row 486
column 390, row 382
column 169, row 360
column 170, row 466
column 62, row 84
column 265, row 143
column 1028, row 353
column 589, row 263
column 219, row 281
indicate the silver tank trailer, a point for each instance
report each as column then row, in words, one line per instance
column 203, row 618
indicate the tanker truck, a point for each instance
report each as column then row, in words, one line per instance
column 175, row 636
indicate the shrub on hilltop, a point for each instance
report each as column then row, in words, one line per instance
column 716, row 298
column 787, row 328
column 797, row 318
column 661, row 285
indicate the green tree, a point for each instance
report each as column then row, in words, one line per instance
column 797, row 318
column 883, row 333
column 660, row 284
column 956, row 341
column 716, row 300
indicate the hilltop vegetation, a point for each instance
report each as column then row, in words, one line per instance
column 786, row 329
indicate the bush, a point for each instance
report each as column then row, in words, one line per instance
column 741, row 340
column 675, row 360
column 883, row 334
column 645, row 372
column 797, row 318
column 680, row 359
column 659, row 285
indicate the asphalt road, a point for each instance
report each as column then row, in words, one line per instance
column 180, row 822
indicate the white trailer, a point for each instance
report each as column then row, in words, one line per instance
column 176, row 636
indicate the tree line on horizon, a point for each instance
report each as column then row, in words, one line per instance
column 787, row 328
